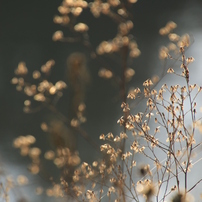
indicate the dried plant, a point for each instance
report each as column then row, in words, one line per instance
column 171, row 112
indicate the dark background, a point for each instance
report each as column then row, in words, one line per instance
column 26, row 29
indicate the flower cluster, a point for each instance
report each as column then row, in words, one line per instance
column 41, row 90
column 164, row 133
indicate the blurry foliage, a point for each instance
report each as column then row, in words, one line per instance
column 116, row 175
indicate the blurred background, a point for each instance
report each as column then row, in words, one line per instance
column 26, row 30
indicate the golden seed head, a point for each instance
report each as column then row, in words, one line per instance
column 81, row 27
column 49, row 155
column 36, row 74
column 22, row 180
column 21, row 69
column 105, row 73
column 58, row 35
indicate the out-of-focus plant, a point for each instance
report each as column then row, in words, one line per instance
column 168, row 151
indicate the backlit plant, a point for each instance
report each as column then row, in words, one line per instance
column 164, row 135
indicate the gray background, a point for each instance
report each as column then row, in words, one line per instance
column 26, row 29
